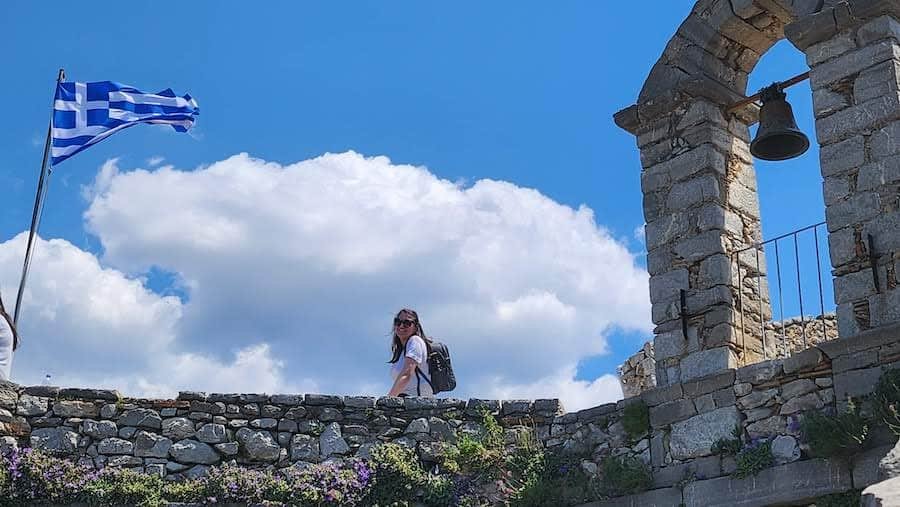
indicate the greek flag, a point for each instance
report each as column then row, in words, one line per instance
column 87, row 113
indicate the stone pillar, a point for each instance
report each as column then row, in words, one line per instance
column 700, row 206
column 854, row 57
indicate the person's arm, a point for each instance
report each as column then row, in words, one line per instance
column 406, row 374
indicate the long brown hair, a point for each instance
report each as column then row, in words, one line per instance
column 396, row 344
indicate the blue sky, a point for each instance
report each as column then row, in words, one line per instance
column 521, row 93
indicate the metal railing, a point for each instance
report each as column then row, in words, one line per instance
column 750, row 266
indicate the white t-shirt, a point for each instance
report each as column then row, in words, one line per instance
column 418, row 352
column 6, row 349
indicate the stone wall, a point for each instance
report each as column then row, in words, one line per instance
column 181, row 437
column 855, row 79
column 698, row 181
column 638, row 372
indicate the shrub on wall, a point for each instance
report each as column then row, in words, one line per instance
column 729, row 446
column 625, row 476
column 846, row 499
column 835, row 435
column 636, row 420
column 753, row 458
column 886, row 399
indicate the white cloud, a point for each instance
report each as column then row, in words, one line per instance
column 298, row 269
column 92, row 326
column 639, row 233
column 155, row 161
column 574, row 394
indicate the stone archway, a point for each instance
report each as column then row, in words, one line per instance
column 698, row 180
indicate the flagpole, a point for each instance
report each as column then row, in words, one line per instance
column 38, row 206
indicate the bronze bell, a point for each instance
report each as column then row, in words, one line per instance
column 777, row 137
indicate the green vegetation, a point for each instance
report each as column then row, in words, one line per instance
column 845, row 499
column 483, row 468
column 729, row 446
column 636, row 420
column 625, row 476
column 754, row 458
column 835, row 435
column 886, row 398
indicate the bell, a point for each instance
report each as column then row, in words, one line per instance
column 777, row 137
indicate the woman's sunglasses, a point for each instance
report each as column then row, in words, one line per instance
column 403, row 323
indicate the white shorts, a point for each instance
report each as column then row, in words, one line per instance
column 6, row 349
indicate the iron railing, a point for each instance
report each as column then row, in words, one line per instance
column 755, row 268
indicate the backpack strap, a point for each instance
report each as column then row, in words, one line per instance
column 418, row 373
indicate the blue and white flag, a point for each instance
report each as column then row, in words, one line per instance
column 87, row 113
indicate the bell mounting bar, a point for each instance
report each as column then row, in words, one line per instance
column 756, row 96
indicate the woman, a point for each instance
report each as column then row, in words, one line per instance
column 409, row 357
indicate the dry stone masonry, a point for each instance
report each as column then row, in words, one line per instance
column 708, row 290
column 638, row 373
column 181, row 438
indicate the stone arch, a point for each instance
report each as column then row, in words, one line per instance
column 698, row 180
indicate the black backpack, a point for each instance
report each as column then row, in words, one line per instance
column 442, row 377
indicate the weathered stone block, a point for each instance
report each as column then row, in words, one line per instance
column 290, row 399
column 840, row 157
column 151, row 445
column 659, row 395
column 836, row 188
column 667, row 413
column 882, row 27
column 785, row 449
column 689, row 193
column 885, row 142
column 743, row 199
column 810, row 401
column 324, row 400
column 852, row 62
column 31, row 405
column 756, row 399
column 694, row 437
column 706, row 362
column 855, row 382
column 59, row 440
column 192, row 451
column 858, row 208
column 76, row 408
column 876, row 81
column 853, row 286
column 669, row 344
column 760, row 372
column 665, row 497
column 667, row 286
column 178, row 428
column 331, row 441
column 865, row 466
column 826, row 102
column 858, row 118
column 704, row 468
column 804, row 360
column 666, row 229
column 798, row 387
column 709, row 384
column 873, row 176
column 855, row 361
column 704, row 403
column 830, row 48
column 784, row 485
